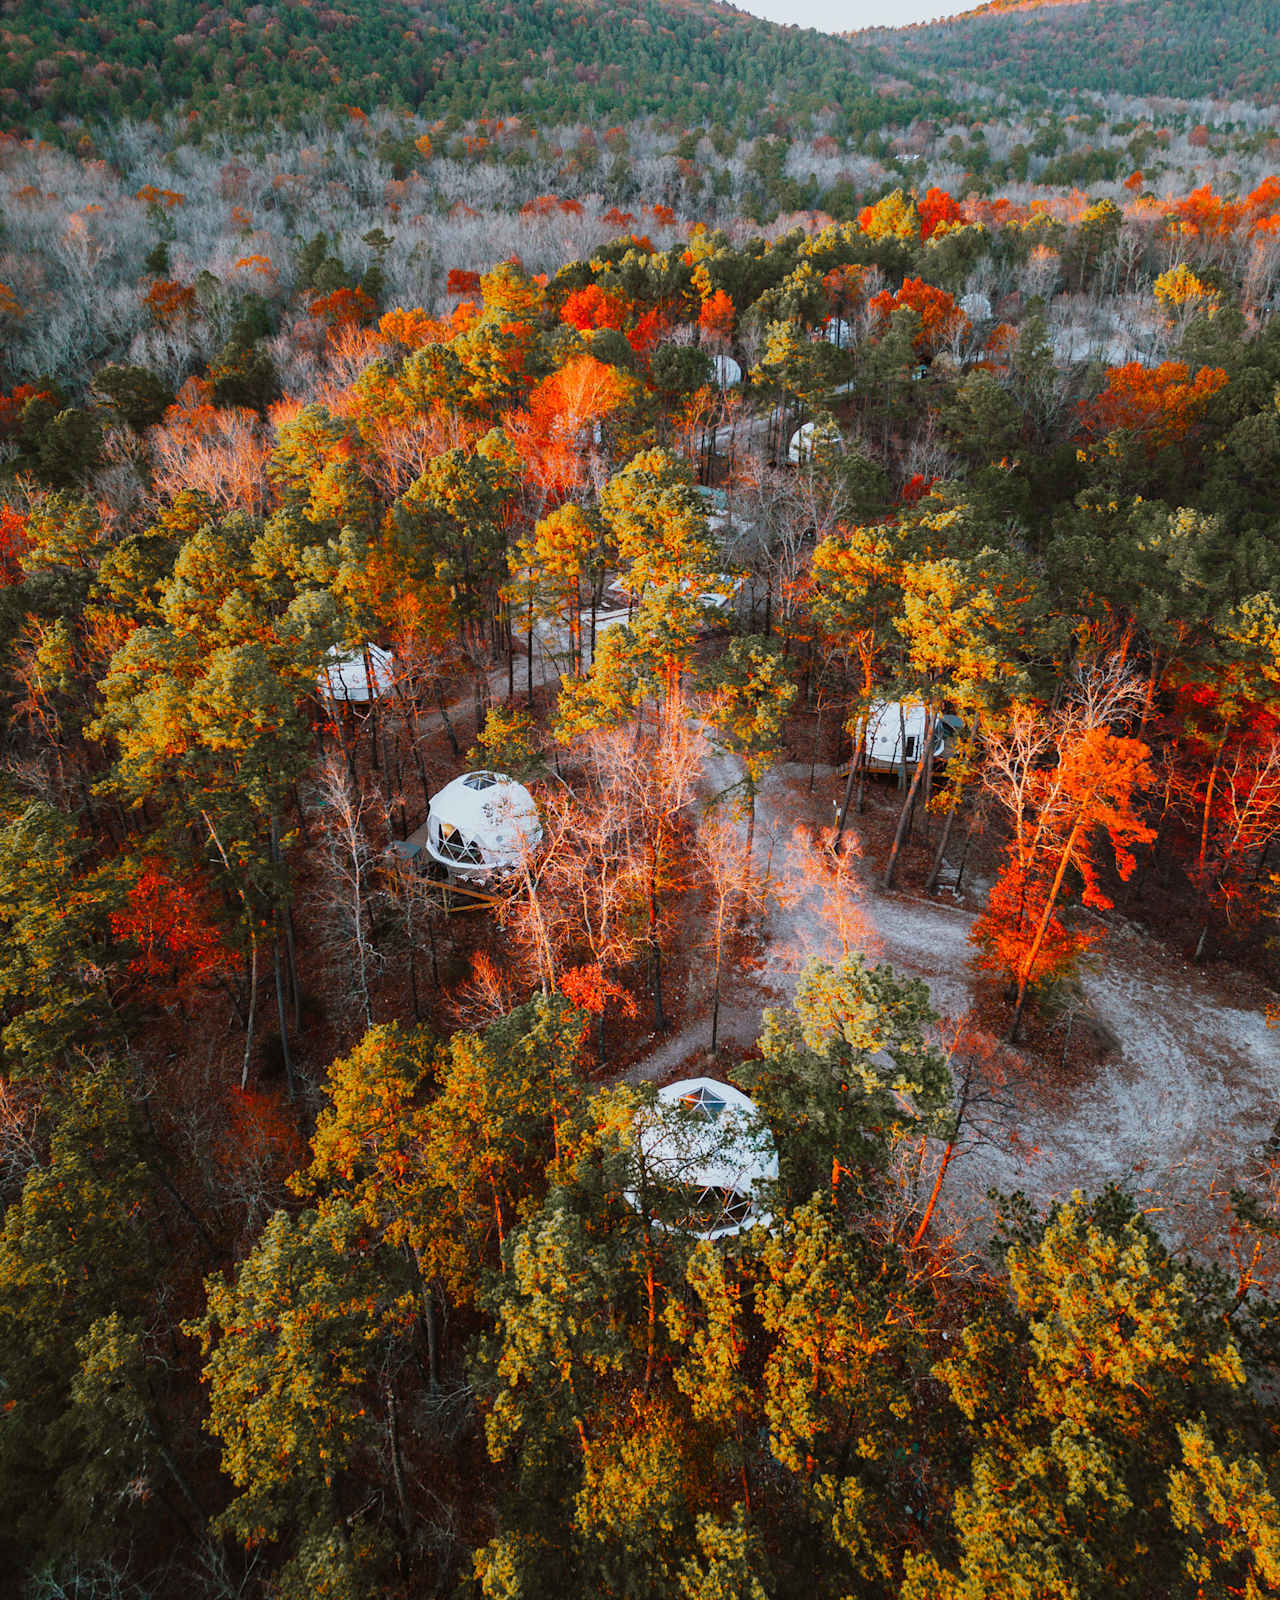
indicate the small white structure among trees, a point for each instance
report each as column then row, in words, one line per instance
column 356, row 676
column 810, row 438
column 706, row 1160
column 478, row 827
column 895, row 729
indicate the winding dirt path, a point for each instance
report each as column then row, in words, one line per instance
column 1182, row 1089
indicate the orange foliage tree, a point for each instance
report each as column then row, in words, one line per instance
column 1067, row 783
column 938, row 210
column 717, row 316
column 1159, row 405
column 176, row 944
column 344, row 308
column 13, row 540
column 593, row 307
column 941, row 319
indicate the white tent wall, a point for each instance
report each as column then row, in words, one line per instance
column 345, row 675
column 889, row 721
column 707, row 1141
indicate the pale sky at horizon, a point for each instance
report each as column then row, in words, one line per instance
column 846, row 16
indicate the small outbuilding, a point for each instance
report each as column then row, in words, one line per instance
column 727, row 371
column 705, row 1152
column 356, row 676
column 895, row 730
column 480, row 826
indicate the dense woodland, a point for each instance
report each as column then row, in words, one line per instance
column 695, row 64
column 328, row 1263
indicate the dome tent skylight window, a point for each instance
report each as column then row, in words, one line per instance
column 706, row 1160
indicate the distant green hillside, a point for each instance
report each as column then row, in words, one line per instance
column 1183, row 48
column 696, row 63
column 553, row 60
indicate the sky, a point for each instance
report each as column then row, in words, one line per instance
column 845, row 16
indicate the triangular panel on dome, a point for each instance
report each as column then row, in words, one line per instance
column 706, row 1159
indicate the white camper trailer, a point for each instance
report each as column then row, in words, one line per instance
column 357, row 676
column 478, row 827
column 895, row 730
column 705, row 1147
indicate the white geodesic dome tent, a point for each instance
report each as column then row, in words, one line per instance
column 481, row 825
column 706, row 1143
column 809, row 438
column 346, row 675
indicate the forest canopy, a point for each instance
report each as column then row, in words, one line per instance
column 823, row 547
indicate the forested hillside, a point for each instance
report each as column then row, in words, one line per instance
column 1186, row 49
column 699, row 64
column 695, row 63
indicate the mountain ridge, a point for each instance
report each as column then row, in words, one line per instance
column 693, row 62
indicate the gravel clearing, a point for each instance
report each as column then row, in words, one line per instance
column 1172, row 1082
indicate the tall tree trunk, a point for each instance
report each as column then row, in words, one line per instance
column 1029, row 960
column 253, row 1004
column 655, row 952
column 904, row 816
column 448, row 726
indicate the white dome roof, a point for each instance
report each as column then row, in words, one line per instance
column 810, row 437
column 707, row 1141
column 344, row 675
column 482, row 822
column 727, row 371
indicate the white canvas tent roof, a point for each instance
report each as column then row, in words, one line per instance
column 344, row 675
column 706, row 1140
column 481, row 823
column 727, row 371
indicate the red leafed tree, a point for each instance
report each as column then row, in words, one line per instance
column 461, row 281
column 1226, row 786
column 1160, row 405
column 13, row 541
column 1070, row 786
column 717, row 316
column 557, row 432
column 589, row 990
column 938, row 209
column 941, row 319
column 344, row 308
column 647, row 330
column 11, row 406
column 167, row 301
column 177, row 945
column 593, row 307
column 258, row 1148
